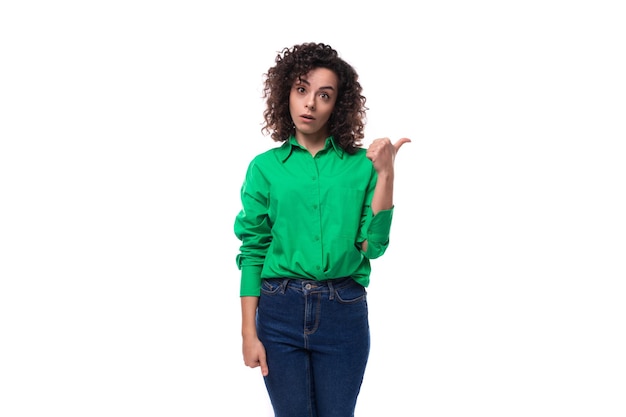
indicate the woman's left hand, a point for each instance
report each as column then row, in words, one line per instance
column 382, row 153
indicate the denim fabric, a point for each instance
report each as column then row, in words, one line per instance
column 316, row 336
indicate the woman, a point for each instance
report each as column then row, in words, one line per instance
column 315, row 211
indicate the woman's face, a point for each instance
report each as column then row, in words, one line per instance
column 311, row 102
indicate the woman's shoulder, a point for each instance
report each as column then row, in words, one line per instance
column 271, row 153
column 360, row 152
column 268, row 156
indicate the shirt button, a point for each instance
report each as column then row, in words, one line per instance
column 315, row 206
column 318, row 267
column 313, row 178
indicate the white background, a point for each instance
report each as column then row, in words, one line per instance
column 126, row 128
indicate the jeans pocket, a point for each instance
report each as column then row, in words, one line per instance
column 351, row 294
column 271, row 286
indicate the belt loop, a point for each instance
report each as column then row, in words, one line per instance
column 331, row 290
column 283, row 286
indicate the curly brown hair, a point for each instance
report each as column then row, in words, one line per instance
column 347, row 121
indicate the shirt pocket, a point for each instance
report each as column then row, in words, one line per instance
column 344, row 208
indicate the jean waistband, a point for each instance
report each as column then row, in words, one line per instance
column 312, row 284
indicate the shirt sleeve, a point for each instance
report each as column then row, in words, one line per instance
column 252, row 227
column 375, row 229
column 378, row 234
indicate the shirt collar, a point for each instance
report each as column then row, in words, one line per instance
column 287, row 148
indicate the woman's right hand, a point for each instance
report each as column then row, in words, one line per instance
column 254, row 354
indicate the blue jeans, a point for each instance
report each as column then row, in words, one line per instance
column 316, row 336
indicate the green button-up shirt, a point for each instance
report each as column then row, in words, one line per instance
column 306, row 217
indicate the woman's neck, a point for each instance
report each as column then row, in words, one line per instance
column 312, row 143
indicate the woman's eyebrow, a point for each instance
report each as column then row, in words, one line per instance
column 304, row 81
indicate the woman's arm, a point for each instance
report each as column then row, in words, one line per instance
column 253, row 350
column 382, row 153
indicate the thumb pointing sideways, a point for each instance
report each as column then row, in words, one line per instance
column 401, row 142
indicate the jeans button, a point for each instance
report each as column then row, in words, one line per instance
column 307, row 286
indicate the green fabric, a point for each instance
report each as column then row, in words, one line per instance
column 305, row 217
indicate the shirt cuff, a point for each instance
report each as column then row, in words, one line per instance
column 250, row 281
column 380, row 226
